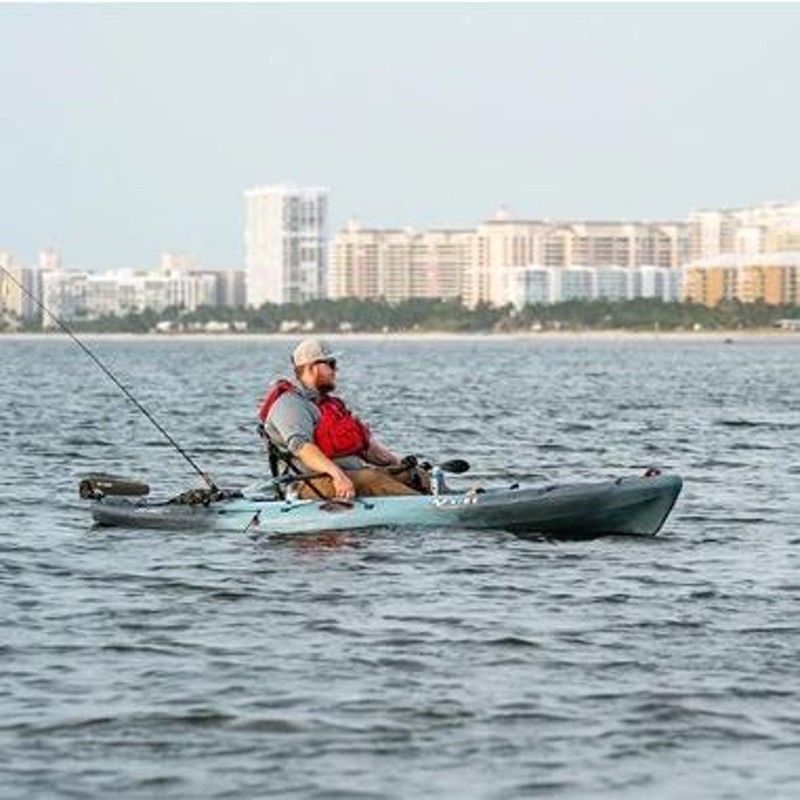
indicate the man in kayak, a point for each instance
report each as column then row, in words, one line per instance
column 316, row 431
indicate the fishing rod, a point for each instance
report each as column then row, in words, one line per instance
column 61, row 324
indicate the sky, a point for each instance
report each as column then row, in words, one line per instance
column 135, row 129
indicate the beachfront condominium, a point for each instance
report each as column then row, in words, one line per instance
column 286, row 244
column 473, row 264
column 771, row 278
column 400, row 264
column 762, row 228
column 515, row 244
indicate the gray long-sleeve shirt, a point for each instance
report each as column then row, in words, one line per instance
column 291, row 422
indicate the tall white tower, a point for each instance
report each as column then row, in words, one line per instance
column 286, row 244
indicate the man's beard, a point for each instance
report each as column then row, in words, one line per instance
column 326, row 387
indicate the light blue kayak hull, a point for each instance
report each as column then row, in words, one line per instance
column 636, row 505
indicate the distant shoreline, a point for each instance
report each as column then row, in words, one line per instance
column 730, row 336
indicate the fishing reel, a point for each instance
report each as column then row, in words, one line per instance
column 204, row 497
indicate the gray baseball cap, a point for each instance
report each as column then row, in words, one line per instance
column 311, row 350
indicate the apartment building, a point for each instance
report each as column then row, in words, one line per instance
column 73, row 294
column 472, row 263
column 711, row 233
column 286, row 244
column 772, row 278
column 762, row 228
column 17, row 284
column 447, row 254
column 399, row 264
column 593, row 244
column 230, row 284
column 657, row 282
column 546, row 285
column 231, row 287
column 10, row 295
column 371, row 263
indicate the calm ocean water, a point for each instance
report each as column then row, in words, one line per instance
column 395, row 663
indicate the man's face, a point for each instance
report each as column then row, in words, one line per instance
column 322, row 375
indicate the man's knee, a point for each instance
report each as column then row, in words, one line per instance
column 415, row 478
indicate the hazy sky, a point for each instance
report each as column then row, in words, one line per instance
column 129, row 130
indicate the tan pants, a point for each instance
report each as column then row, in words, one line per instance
column 369, row 482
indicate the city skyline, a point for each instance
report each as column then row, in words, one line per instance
column 750, row 253
column 131, row 130
column 52, row 256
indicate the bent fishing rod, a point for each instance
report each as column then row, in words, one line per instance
column 61, row 324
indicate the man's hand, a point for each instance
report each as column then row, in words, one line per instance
column 343, row 486
column 317, row 461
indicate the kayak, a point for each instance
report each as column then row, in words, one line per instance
column 631, row 505
column 628, row 505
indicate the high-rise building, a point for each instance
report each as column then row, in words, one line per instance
column 472, row 264
column 507, row 243
column 545, row 285
column 372, row 263
column 762, row 228
column 400, row 264
column 231, row 288
column 747, row 254
column 18, row 285
column 10, row 295
column 772, row 278
column 711, row 233
column 71, row 294
column 286, row 244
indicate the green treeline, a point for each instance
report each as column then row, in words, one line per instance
column 450, row 316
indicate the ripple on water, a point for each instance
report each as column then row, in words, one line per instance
column 394, row 663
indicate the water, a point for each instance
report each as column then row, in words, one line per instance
column 398, row 664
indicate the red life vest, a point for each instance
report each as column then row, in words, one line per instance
column 338, row 433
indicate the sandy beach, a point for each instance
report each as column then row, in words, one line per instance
column 730, row 337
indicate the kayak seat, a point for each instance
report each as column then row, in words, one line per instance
column 280, row 459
